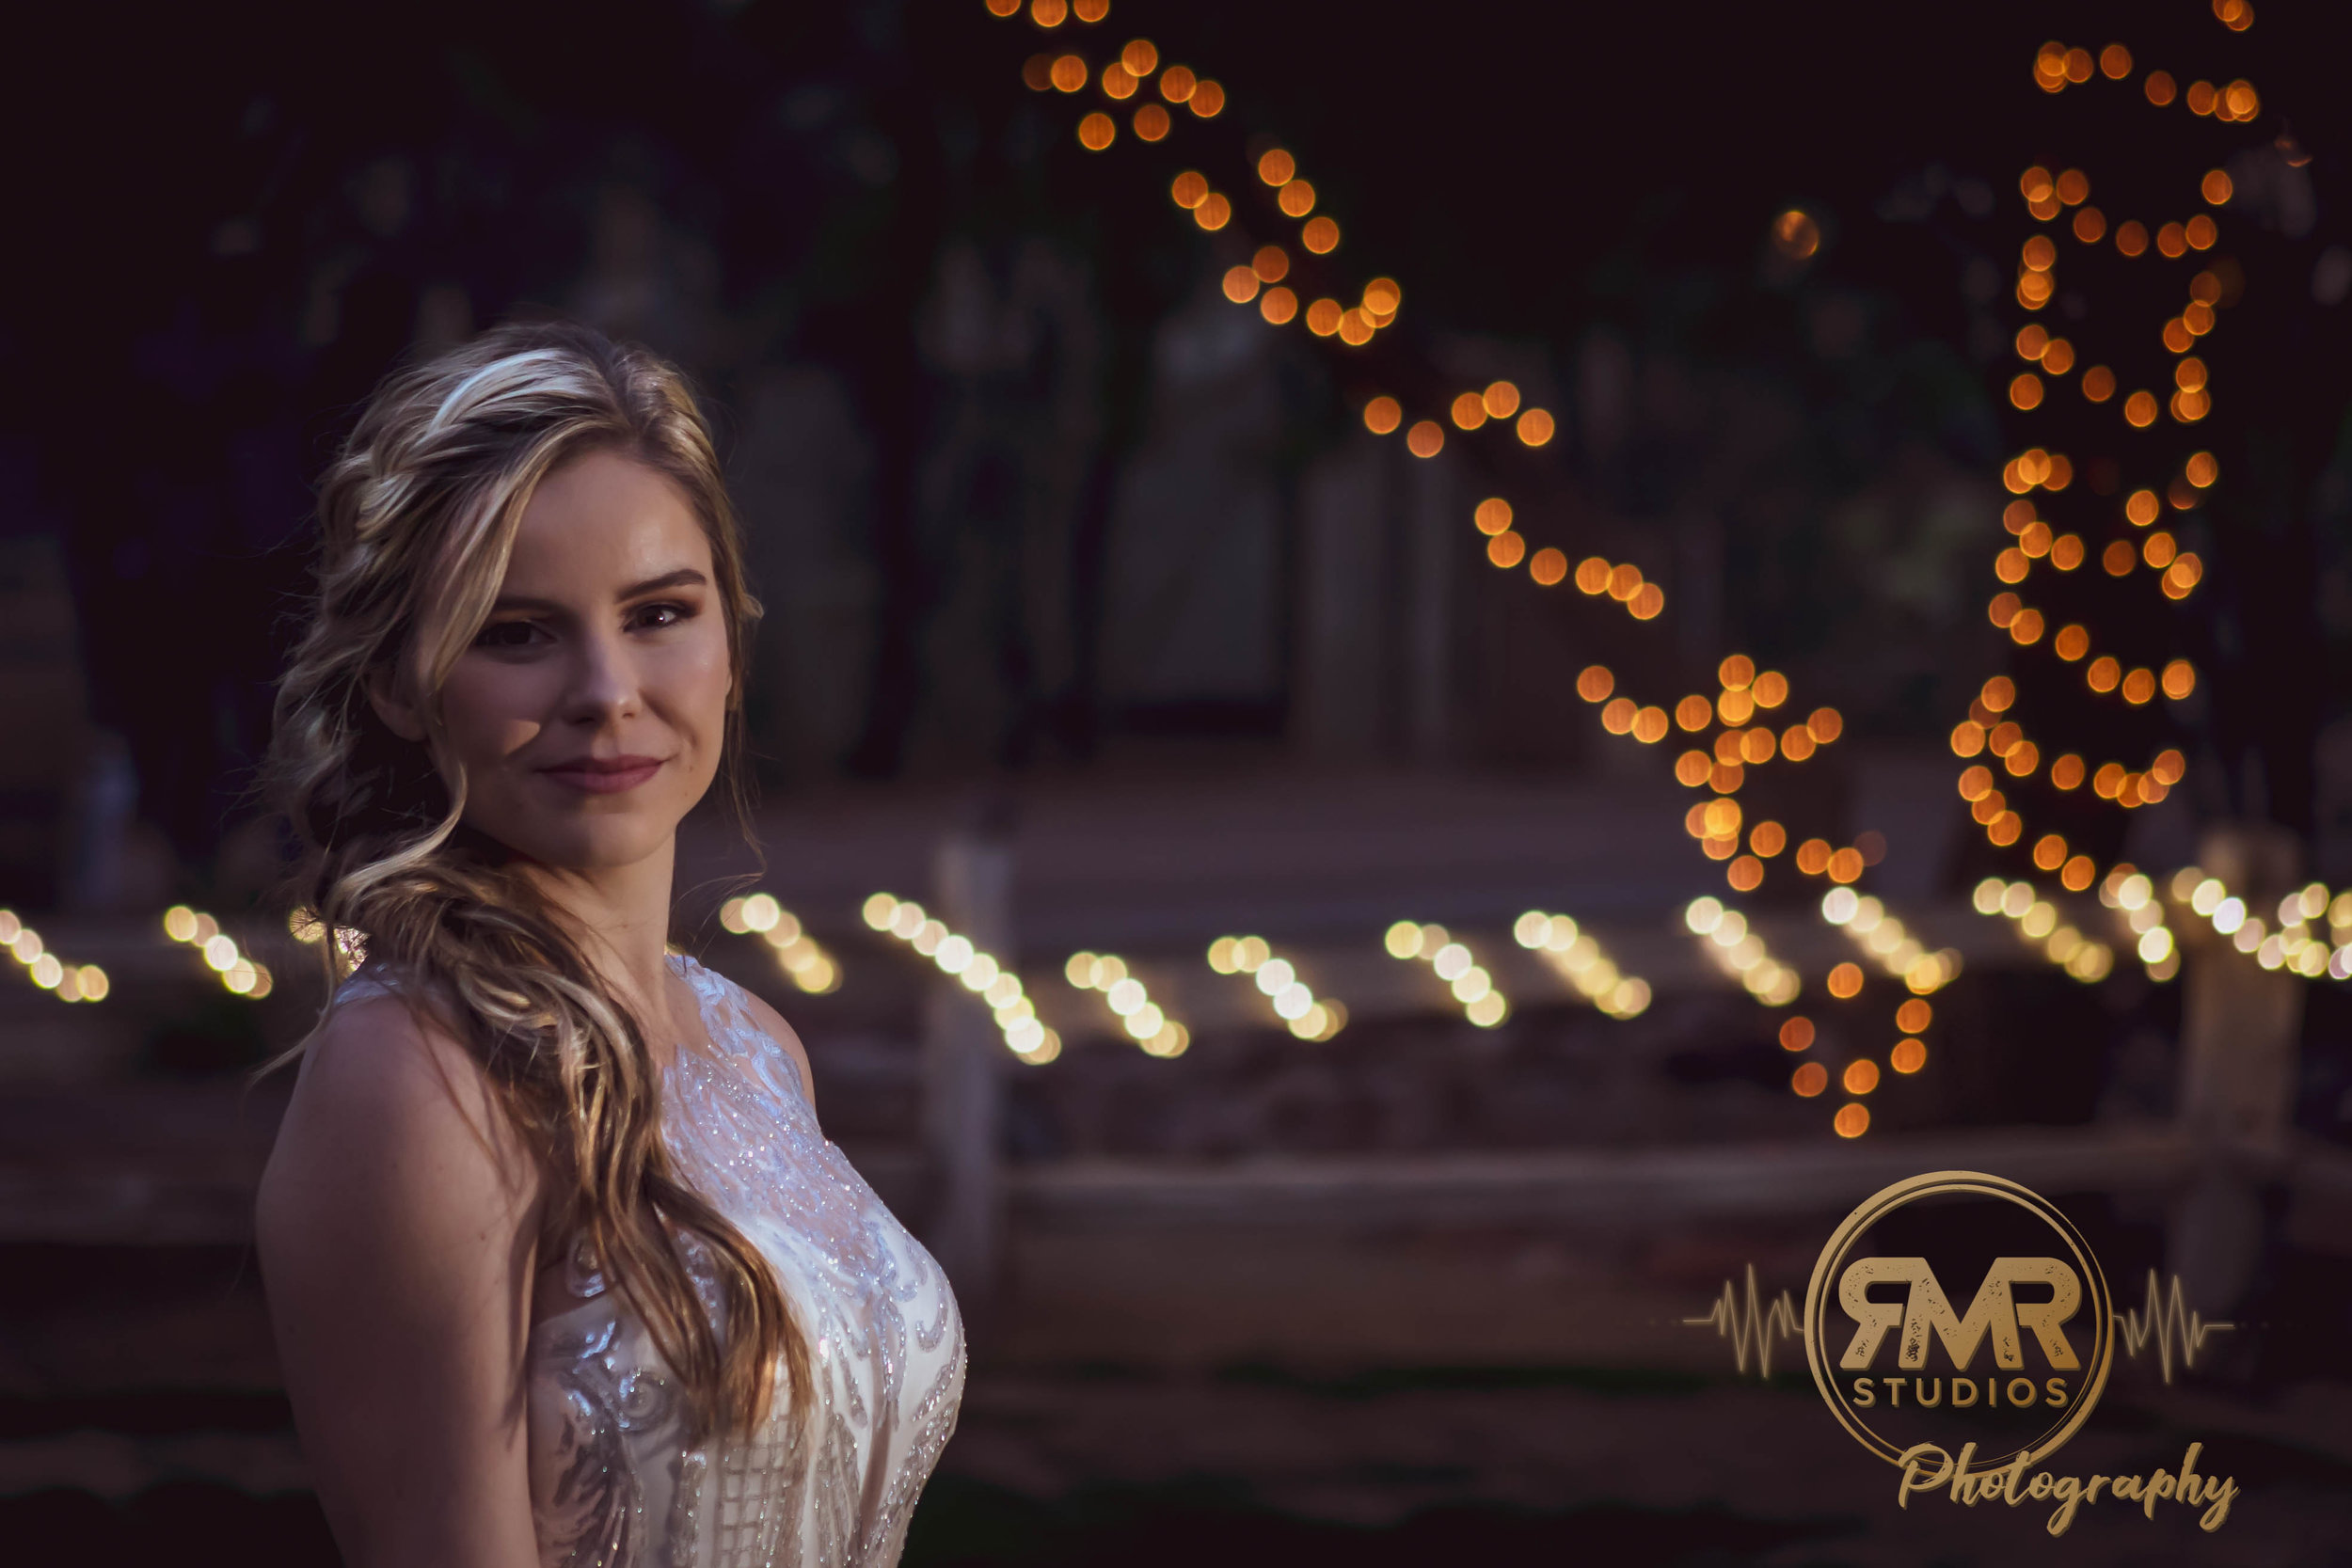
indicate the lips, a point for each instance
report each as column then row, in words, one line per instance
column 604, row 775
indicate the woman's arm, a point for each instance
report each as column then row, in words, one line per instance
column 397, row 1227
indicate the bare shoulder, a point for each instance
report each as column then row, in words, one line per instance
column 772, row 1022
column 397, row 1225
column 395, row 1134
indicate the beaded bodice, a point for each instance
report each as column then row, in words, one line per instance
column 833, row 1476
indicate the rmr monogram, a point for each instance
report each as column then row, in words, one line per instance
column 1997, row 1314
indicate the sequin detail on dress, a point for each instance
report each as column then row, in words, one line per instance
column 614, row 1484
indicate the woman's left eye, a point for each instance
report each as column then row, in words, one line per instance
column 655, row 616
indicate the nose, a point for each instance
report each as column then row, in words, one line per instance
column 604, row 686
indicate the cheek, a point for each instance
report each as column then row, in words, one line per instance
column 491, row 710
column 695, row 681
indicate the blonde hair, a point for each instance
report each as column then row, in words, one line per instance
column 418, row 515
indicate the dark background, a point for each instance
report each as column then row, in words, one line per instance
column 1019, row 545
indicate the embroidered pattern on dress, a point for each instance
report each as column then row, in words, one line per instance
column 835, row 1489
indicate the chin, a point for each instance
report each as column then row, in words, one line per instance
column 602, row 841
column 605, row 850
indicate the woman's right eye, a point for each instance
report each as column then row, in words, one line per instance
column 507, row 635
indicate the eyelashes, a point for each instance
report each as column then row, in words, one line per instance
column 507, row 636
column 675, row 613
column 519, row 635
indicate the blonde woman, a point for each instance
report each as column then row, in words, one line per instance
column 561, row 1267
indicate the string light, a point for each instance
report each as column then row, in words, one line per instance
column 2055, row 67
column 1278, row 979
column 65, row 981
column 804, row 962
column 1574, row 955
column 2293, row 946
column 1453, row 963
column 1739, row 950
column 1130, row 1001
column 1860, row 1075
column 1888, row 943
column 239, row 971
column 2134, row 896
column 2040, row 923
column 2046, row 195
column 981, row 972
column 1499, row 402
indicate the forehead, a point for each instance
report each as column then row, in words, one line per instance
column 601, row 523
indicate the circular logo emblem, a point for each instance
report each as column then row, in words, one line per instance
column 1958, row 1308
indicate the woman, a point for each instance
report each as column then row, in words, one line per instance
column 560, row 1268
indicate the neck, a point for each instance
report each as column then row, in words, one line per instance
column 621, row 917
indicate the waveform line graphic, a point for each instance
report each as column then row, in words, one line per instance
column 1750, row 1326
column 2169, row 1323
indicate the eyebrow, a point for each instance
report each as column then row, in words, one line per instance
column 685, row 576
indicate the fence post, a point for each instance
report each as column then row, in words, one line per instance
column 2241, row 1028
column 964, row 1058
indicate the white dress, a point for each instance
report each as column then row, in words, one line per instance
column 613, row 1482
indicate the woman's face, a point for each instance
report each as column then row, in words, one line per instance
column 590, row 712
